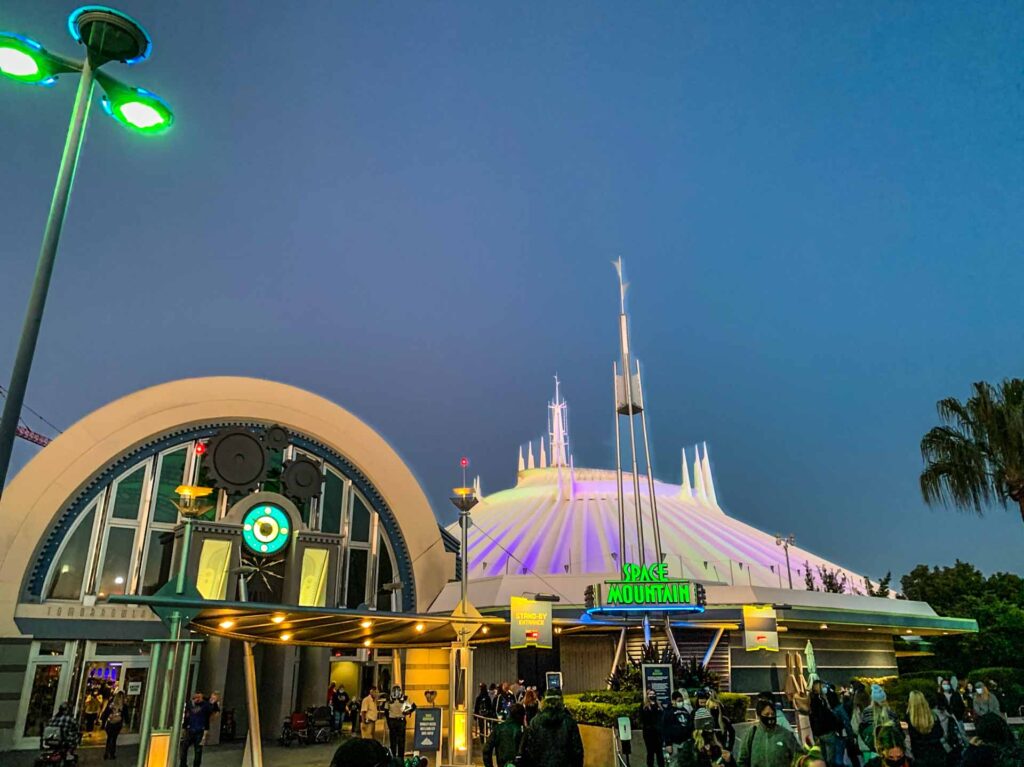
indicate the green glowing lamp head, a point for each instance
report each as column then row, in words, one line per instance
column 140, row 110
column 265, row 528
column 25, row 60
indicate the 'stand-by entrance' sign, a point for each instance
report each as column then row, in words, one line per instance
column 648, row 586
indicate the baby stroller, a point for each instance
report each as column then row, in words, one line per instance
column 55, row 751
column 321, row 724
column 295, row 728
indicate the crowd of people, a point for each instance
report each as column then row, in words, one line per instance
column 851, row 726
column 67, row 727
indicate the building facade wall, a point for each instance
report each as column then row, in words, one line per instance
column 839, row 655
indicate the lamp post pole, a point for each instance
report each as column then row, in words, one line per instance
column 464, row 500
column 44, row 269
column 107, row 35
column 785, row 543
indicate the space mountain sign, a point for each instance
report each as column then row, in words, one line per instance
column 647, row 586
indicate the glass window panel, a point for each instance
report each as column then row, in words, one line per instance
column 128, row 494
column 117, row 561
column 360, row 521
column 158, row 561
column 356, row 593
column 313, row 583
column 43, row 698
column 330, row 514
column 69, row 572
column 385, row 575
column 272, row 484
column 51, row 648
column 214, row 560
column 172, row 470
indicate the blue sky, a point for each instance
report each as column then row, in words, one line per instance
column 411, row 208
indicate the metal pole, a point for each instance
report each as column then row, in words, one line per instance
column 146, row 725
column 789, row 571
column 650, row 472
column 464, row 518
column 179, row 704
column 255, row 742
column 44, row 269
column 627, row 382
column 618, row 473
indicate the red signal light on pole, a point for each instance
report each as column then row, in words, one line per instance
column 464, row 463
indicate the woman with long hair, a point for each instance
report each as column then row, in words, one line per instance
column 114, row 721
column 531, row 703
column 926, row 735
column 652, row 725
column 984, row 701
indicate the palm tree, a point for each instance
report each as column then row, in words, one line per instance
column 977, row 456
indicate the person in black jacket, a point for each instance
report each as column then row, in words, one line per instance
column 483, row 711
column 678, row 723
column 652, row 723
column 825, row 725
column 954, row 701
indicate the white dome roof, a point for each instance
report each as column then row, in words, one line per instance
column 557, row 521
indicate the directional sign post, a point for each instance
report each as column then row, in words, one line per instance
column 427, row 730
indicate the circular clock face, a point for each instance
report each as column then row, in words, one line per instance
column 265, row 528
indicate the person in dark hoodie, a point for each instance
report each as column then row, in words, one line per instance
column 505, row 739
column 553, row 739
column 652, row 723
column 678, row 723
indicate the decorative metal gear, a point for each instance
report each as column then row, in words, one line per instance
column 237, row 460
column 275, row 437
column 302, row 478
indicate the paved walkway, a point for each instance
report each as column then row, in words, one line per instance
column 227, row 755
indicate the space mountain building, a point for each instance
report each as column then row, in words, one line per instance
column 631, row 558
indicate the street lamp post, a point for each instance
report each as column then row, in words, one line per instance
column 107, row 35
column 464, row 499
column 785, row 543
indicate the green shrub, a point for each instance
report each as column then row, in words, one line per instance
column 898, row 690
column 735, row 705
column 933, row 675
column 600, row 714
column 632, row 697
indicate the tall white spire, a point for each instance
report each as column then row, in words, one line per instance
column 476, row 488
column 709, row 482
column 558, row 428
column 543, row 455
column 522, row 463
column 687, row 491
column 529, row 456
column 698, row 475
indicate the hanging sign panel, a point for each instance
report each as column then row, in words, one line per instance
column 760, row 628
column 530, row 624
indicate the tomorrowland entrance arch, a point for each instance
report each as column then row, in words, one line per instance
column 91, row 524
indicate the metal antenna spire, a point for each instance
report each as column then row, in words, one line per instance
column 629, row 402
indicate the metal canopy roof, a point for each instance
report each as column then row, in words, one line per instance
column 324, row 626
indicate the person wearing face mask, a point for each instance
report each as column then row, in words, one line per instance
column 954, row 701
column 890, row 749
column 984, row 701
column 652, row 723
column 678, row 723
column 954, row 737
column 766, row 744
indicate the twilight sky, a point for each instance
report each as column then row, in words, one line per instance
column 411, row 209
